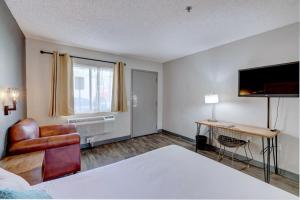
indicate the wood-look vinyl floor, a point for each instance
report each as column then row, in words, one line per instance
column 111, row 153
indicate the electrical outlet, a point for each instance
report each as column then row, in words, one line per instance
column 89, row 139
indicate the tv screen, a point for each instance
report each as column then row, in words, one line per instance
column 275, row 81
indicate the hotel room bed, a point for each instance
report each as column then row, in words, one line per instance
column 168, row 172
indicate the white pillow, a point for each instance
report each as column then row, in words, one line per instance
column 12, row 181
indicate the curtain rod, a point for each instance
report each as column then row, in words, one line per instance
column 105, row 61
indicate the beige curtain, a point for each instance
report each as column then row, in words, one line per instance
column 61, row 102
column 119, row 98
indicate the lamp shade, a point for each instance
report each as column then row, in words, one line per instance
column 211, row 98
column 14, row 94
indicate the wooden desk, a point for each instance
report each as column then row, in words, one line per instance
column 264, row 133
column 28, row 165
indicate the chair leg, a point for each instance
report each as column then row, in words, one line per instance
column 247, row 158
column 232, row 155
column 220, row 149
column 250, row 150
column 221, row 155
column 223, row 152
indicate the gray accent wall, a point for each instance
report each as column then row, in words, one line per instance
column 188, row 79
column 12, row 69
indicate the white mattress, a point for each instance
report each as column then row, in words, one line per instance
column 168, row 172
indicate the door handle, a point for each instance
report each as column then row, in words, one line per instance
column 134, row 101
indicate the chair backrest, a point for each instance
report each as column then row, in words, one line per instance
column 23, row 130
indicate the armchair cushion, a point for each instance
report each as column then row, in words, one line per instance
column 51, row 130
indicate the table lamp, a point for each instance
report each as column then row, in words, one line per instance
column 212, row 99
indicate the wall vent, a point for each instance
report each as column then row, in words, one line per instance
column 92, row 128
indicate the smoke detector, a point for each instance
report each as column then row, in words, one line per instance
column 188, row 8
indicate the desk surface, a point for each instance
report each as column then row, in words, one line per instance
column 249, row 130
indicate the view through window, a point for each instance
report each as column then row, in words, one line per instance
column 92, row 88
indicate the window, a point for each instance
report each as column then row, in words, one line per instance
column 92, row 88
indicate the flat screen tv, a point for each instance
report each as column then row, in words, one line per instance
column 274, row 81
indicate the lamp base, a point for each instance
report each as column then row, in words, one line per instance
column 7, row 108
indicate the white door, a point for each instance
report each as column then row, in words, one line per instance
column 144, row 102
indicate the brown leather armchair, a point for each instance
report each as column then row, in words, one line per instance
column 61, row 144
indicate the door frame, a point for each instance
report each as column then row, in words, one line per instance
column 131, row 104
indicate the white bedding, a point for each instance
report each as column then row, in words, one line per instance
column 168, row 172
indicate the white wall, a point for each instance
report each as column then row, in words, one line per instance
column 12, row 69
column 38, row 68
column 188, row 79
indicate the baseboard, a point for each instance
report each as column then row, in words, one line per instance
column 118, row 139
column 180, row 136
column 256, row 163
column 160, row 130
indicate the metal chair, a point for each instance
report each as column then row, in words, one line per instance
column 231, row 139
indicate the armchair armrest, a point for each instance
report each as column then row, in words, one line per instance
column 52, row 130
column 43, row 143
column 63, row 140
column 26, row 146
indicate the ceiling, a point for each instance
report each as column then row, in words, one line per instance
column 156, row 30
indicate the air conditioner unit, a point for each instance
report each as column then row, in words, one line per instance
column 92, row 129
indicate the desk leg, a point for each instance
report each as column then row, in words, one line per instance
column 210, row 135
column 275, row 149
column 266, row 166
column 198, row 129
column 268, row 161
column 276, row 159
column 197, row 133
column 263, row 152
